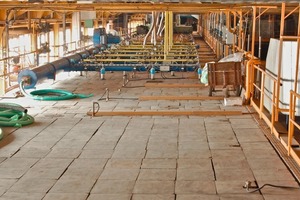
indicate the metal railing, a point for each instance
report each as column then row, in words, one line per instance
column 292, row 124
column 259, row 87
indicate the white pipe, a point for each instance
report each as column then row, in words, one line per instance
column 150, row 30
column 160, row 25
column 163, row 28
column 155, row 27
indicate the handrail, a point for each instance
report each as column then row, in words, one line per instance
column 292, row 122
column 265, row 75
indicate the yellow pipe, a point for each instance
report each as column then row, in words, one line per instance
column 166, row 34
column 249, row 77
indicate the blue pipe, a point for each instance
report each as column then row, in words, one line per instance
column 49, row 70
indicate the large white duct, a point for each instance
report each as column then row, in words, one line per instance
column 288, row 69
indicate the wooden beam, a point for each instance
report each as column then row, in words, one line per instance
column 147, row 98
column 166, row 113
column 165, row 85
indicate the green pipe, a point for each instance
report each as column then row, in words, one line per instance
column 51, row 94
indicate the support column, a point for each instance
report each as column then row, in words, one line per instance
column 34, row 45
column 253, row 32
column 56, row 39
column 240, row 30
column 282, row 20
column 76, row 26
column 125, row 24
column 199, row 26
column 6, row 52
column 2, row 67
column 65, row 47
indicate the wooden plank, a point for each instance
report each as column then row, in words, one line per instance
column 166, row 85
column 166, row 113
column 147, row 98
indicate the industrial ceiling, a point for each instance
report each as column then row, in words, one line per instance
column 18, row 11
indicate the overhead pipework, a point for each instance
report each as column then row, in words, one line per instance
column 109, row 56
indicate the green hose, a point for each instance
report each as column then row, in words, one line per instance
column 51, row 94
column 13, row 117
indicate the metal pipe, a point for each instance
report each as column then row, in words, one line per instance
column 49, row 70
column 160, row 27
column 150, row 30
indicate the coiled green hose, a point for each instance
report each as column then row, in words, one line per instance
column 51, row 94
column 13, row 115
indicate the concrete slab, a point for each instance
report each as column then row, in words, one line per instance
column 273, row 175
column 69, row 155
column 109, row 196
column 230, row 163
column 5, row 184
column 157, row 174
column 190, row 174
column 32, row 152
column 162, row 153
column 119, row 174
column 86, row 168
column 95, row 153
column 22, row 196
column 203, row 164
column 70, row 184
column 154, row 187
column 65, row 196
column 230, row 187
column 194, row 153
column 32, row 185
column 196, row 197
column 241, row 174
column 113, row 187
column 124, row 163
column 195, row 187
column 153, row 197
column 159, row 163
column 64, row 153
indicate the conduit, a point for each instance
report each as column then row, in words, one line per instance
column 51, row 94
column 13, row 115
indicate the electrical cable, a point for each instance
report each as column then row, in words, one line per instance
column 51, row 94
column 248, row 186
